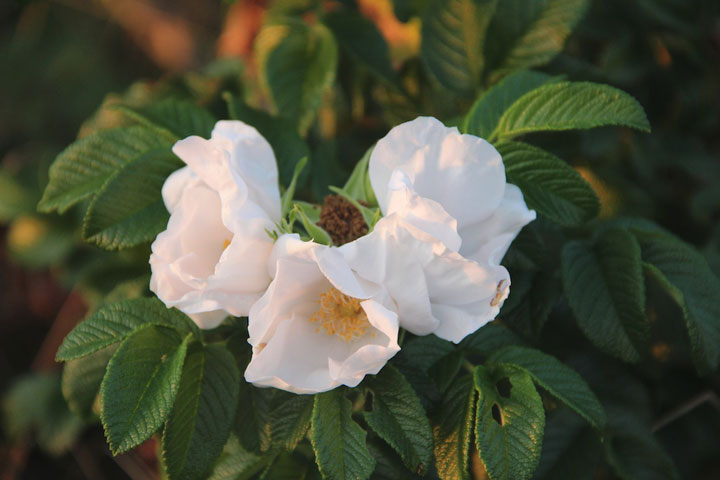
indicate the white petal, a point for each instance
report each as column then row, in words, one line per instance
column 378, row 346
column 489, row 239
column 466, row 295
column 243, row 264
column 295, row 290
column 193, row 240
column 252, row 158
column 295, row 359
column 392, row 257
column 208, row 320
column 463, row 173
column 289, row 245
column 427, row 215
column 174, row 186
column 333, row 266
column 207, row 160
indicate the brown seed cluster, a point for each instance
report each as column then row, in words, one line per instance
column 342, row 220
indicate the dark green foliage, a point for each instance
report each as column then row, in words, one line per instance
column 452, row 429
column 534, row 394
column 128, row 210
column 398, row 418
column 508, row 425
column 604, row 286
column 298, row 64
column 84, row 167
column 556, row 378
column 113, row 323
column 202, row 413
column 453, row 35
column 338, row 441
column 549, row 185
column 173, row 118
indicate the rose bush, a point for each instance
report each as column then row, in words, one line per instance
column 442, row 303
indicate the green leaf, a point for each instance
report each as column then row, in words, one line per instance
column 252, row 419
column 311, row 210
column 489, row 338
column 317, row 234
column 201, row 418
column 358, row 185
column 139, row 388
column 549, row 185
column 570, row 106
column 605, row 288
column 444, row 371
column 129, row 209
column 686, row 276
column 508, row 428
column 236, row 463
column 173, row 118
column 339, row 442
column 453, row 34
column 485, row 113
column 290, row 419
column 539, row 292
column 81, row 379
column 113, row 323
column 83, row 168
column 288, row 466
column 634, row 454
column 399, row 418
column 452, row 428
column 281, row 134
column 287, row 196
column 543, row 27
column 571, row 449
column 388, row 465
column 363, row 41
column 414, row 361
column 297, row 65
column 561, row 381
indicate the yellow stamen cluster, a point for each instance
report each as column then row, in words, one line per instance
column 340, row 315
column 226, row 243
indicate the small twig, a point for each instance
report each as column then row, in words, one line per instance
column 87, row 462
column 134, row 466
column 469, row 367
column 401, row 337
column 686, row 407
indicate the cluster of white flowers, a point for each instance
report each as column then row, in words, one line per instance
column 324, row 316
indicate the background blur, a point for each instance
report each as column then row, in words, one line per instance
column 60, row 60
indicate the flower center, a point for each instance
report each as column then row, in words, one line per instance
column 340, row 315
column 226, row 243
column 342, row 220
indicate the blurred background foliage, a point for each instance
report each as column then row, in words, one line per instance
column 65, row 63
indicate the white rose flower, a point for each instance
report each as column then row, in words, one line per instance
column 450, row 185
column 211, row 260
column 318, row 325
column 449, row 219
column 435, row 289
